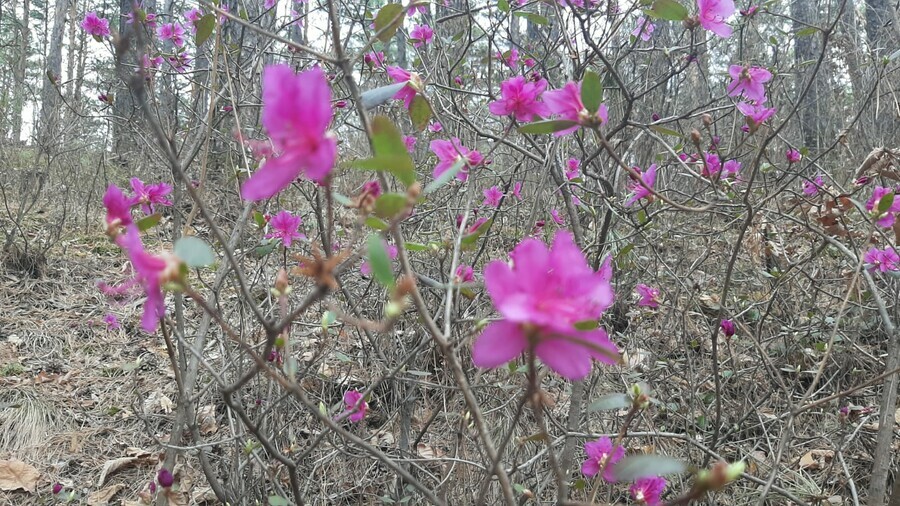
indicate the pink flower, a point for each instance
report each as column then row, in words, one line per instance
column 529, row 62
column 151, row 272
column 492, row 196
column 731, row 168
column 749, row 82
column 375, row 58
column 712, row 165
column 573, row 168
column 554, row 213
column 165, row 478
column 510, row 58
column 147, row 195
column 727, row 327
column 541, row 296
column 372, row 188
column 887, row 220
column 366, row 269
column 450, row 152
column 464, row 274
column 171, row 31
column 151, row 63
column 410, row 142
column 95, row 25
column 356, row 406
column 648, row 491
column 520, row 99
column 268, row 4
column 566, row 104
column 421, row 9
column 413, row 82
column 755, row 113
column 811, row 188
column 749, row 11
column 435, row 127
column 421, row 35
column 644, row 29
column 637, row 190
column 118, row 210
column 599, row 454
column 296, row 114
column 192, row 16
column 517, row 190
column 458, row 80
column 793, row 156
column 882, row 260
column 285, row 227
column 111, row 321
column 649, row 296
column 713, row 14
column 180, row 62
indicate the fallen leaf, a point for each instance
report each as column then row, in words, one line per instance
column 15, row 475
column 815, row 459
column 206, row 416
column 203, row 495
column 114, row 466
column 101, row 497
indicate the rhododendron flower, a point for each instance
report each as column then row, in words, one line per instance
column 756, row 113
column 475, row 224
column 372, row 188
column 450, row 152
column 554, row 213
column 392, row 251
column 811, row 188
column 566, row 104
column 268, row 4
column 171, row 31
column 421, row 9
column 644, row 29
column 151, row 63
column 192, row 16
column 464, row 274
column 435, row 127
column 749, row 82
column 749, row 11
column 111, row 322
column 599, row 454
column 731, row 168
column 148, row 195
column 458, row 80
column 727, row 327
column 413, row 82
column 649, row 295
column 285, row 227
column 713, row 14
column 517, row 190
column 95, row 25
column 648, row 491
column 882, row 260
column 573, row 168
column 375, row 58
column 887, row 220
column 410, row 142
column 492, row 196
column 421, row 35
column 180, row 62
column 793, row 156
column 510, row 58
column 541, row 296
column 165, row 478
column 712, row 165
column 637, row 190
column 356, row 406
column 151, row 272
column 520, row 99
column 118, row 210
column 296, row 113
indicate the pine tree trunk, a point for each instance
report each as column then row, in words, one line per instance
column 19, row 78
column 50, row 99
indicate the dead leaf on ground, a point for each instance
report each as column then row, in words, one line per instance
column 206, row 416
column 102, row 497
column 113, row 466
column 815, row 459
column 15, row 475
column 204, row 495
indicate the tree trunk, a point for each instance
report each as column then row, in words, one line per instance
column 18, row 100
column 806, row 51
column 50, row 100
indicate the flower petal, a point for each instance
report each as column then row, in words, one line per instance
column 567, row 358
column 499, row 343
column 275, row 175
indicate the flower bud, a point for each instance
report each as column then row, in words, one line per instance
column 707, row 119
column 695, row 136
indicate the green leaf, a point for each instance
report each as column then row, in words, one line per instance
column 388, row 20
column 265, row 248
column 610, row 402
column 390, row 152
column 341, row 199
column 380, row 262
column 376, row 223
column 414, row 246
column 534, row 18
column 668, row 9
column 446, row 177
column 390, row 205
column 194, row 252
column 470, row 239
column 885, row 203
column 503, row 5
column 260, row 219
column 806, row 32
column 205, row 27
column 665, row 131
column 642, row 466
column 327, row 319
column 377, row 96
column 591, row 92
column 547, row 127
column 587, row 324
column 146, row 223
column 420, row 112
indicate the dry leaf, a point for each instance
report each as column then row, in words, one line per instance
column 176, row 498
column 815, row 459
column 15, row 475
column 114, row 466
column 204, row 495
column 206, row 416
column 101, row 497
